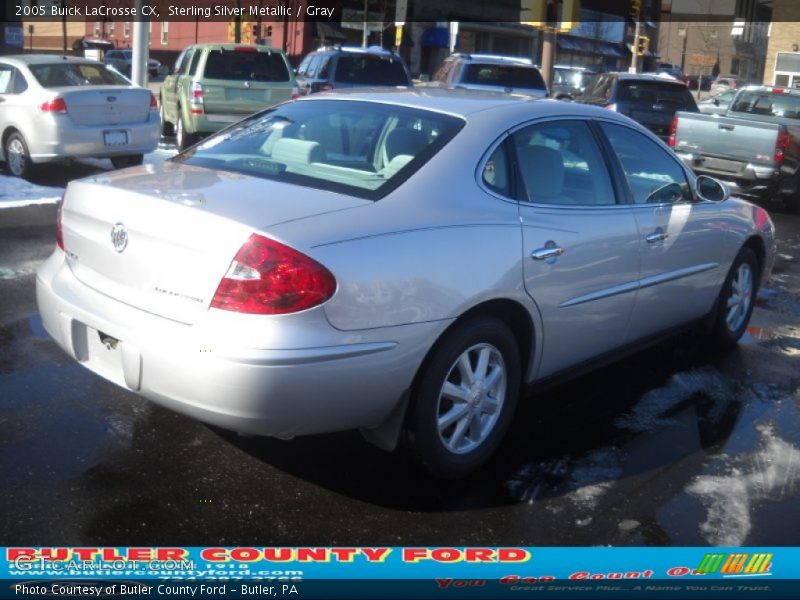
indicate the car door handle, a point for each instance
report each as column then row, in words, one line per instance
column 726, row 127
column 656, row 236
column 550, row 250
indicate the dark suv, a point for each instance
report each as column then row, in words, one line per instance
column 652, row 100
column 492, row 73
column 345, row 66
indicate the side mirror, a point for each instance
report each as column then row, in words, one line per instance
column 716, row 101
column 709, row 188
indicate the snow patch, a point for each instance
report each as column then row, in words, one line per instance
column 771, row 473
column 651, row 411
column 15, row 192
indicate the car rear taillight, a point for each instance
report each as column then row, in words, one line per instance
column 611, row 106
column 196, row 98
column 673, row 130
column 781, row 144
column 59, row 227
column 153, row 101
column 295, row 93
column 268, row 278
column 56, row 105
column 761, row 218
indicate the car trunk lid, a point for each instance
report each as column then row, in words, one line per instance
column 160, row 237
column 112, row 105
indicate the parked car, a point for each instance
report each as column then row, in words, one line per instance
column 122, row 61
column 652, row 100
column 338, row 67
column 723, row 83
column 716, row 105
column 491, row 73
column 397, row 259
column 57, row 107
column 700, row 83
column 214, row 85
column 569, row 82
column 753, row 145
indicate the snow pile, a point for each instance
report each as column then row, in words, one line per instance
column 653, row 409
column 19, row 192
column 770, row 473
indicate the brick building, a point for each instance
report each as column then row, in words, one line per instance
column 782, row 65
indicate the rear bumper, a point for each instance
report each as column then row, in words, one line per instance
column 343, row 380
column 59, row 138
column 748, row 179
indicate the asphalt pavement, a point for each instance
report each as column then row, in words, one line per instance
column 676, row 445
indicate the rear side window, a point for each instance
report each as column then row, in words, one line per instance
column 655, row 92
column 599, row 87
column 245, row 66
column 785, row 106
column 6, row 79
column 370, row 70
column 195, row 59
column 560, row 163
column 362, row 149
column 504, row 76
column 75, row 74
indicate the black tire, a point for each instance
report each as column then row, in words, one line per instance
column 183, row 139
column 129, row 160
column 729, row 324
column 167, row 128
column 429, row 433
column 18, row 158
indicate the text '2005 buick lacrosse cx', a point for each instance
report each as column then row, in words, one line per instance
column 394, row 261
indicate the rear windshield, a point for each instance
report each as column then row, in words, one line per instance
column 246, row 66
column 371, row 70
column 513, row 76
column 655, row 92
column 75, row 74
column 767, row 104
column 363, row 149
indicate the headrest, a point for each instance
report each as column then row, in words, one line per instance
column 543, row 171
column 404, row 141
column 297, row 151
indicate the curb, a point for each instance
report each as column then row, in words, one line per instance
column 34, row 215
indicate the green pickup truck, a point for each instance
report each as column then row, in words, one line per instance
column 214, row 85
column 753, row 146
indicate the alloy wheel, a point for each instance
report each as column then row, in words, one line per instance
column 471, row 399
column 741, row 294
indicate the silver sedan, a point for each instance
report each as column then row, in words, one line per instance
column 58, row 107
column 394, row 261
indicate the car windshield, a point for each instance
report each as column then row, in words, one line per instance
column 75, row 74
column 767, row 104
column 655, row 92
column 359, row 148
column 513, row 76
column 246, row 66
column 370, row 69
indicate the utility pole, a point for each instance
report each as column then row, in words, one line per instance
column 141, row 46
column 544, row 16
column 636, row 8
column 364, row 34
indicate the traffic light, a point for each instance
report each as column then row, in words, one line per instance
column 642, row 45
column 636, row 8
column 570, row 15
column 539, row 13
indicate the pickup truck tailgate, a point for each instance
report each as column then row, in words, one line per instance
column 727, row 138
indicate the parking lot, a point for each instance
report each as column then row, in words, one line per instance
column 677, row 445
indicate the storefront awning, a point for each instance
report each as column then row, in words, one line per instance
column 570, row 43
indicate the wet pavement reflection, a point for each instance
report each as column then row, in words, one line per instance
column 674, row 445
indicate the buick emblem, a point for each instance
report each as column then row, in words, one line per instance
column 111, row 98
column 119, row 237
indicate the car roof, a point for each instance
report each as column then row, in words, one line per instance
column 376, row 50
column 232, row 47
column 43, row 59
column 648, row 77
column 463, row 103
column 496, row 59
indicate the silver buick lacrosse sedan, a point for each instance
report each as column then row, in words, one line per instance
column 399, row 262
